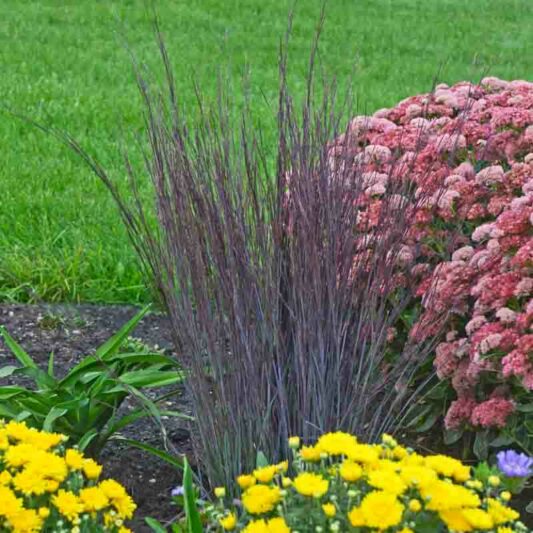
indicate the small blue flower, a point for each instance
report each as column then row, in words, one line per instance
column 177, row 491
column 514, row 464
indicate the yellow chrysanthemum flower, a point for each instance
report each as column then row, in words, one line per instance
column 478, row 518
column 260, row 499
column 9, row 502
column 74, row 459
column 387, row 481
column 5, row 478
column 119, row 498
column 265, row 474
column 68, row 504
column 274, row 525
column 329, row 510
column 93, row 499
column 338, row 443
column 499, row 513
column 310, row 453
column 399, row 452
column 229, row 522
column 246, row 480
column 91, row 469
column 443, row 496
column 379, row 510
column 282, row 467
column 25, row 521
column 418, row 476
column 309, row 484
column 363, row 453
column 449, row 467
column 350, row 471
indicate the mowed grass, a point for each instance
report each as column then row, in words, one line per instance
column 64, row 63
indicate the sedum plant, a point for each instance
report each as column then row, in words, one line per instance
column 45, row 486
column 340, row 484
column 84, row 404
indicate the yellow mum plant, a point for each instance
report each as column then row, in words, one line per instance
column 339, row 484
column 45, row 487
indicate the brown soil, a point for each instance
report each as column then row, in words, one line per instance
column 72, row 332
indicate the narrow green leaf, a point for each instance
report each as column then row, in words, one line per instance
column 7, row 411
column 178, row 463
column 481, row 445
column 7, row 370
column 189, row 497
column 41, row 378
column 111, row 346
column 51, row 365
column 87, row 439
column 23, row 357
column 428, row 423
column 261, row 460
column 52, row 416
column 155, row 525
column 10, row 392
column 501, row 440
column 141, row 413
column 452, row 436
column 150, row 378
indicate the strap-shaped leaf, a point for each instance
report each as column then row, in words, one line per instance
column 87, row 439
column 155, row 525
column 7, row 370
column 111, row 346
column 52, row 416
column 150, row 378
column 22, row 356
column 171, row 459
column 194, row 522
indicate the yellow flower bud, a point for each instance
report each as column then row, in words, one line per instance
column 494, row 481
column 44, row 512
column 220, row 492
column 286, row 482
column 228, row 522
column 294, row 442
column 329, row 510
column 415, row 505
column 505, row 495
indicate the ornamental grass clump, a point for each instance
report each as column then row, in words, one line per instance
column 47, row 487
column 280, row 312
column 340, row 484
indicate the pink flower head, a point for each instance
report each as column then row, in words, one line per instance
column 492, row 413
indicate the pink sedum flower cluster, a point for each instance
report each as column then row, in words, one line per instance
column 468, row 151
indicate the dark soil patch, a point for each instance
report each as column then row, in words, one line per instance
column 72, row 332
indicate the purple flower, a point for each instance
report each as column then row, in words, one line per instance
column 515, row 464
column 177, row 491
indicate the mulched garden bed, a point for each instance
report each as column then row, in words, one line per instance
column 72, row 332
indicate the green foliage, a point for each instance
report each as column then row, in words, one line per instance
column 192, row 522
column 60, row 237
column 190, row 497
column 84, row 404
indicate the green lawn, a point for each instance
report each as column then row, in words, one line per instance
column 64, row 62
